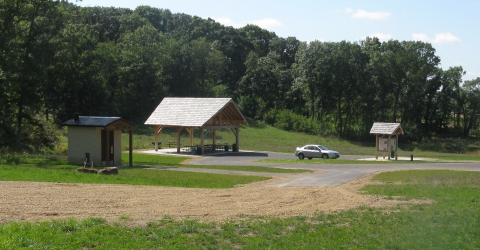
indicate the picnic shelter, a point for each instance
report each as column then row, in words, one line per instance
column 204, row 114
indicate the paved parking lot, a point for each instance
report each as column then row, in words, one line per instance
column 331, row 174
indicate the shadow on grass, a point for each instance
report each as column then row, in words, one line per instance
column 255, row 154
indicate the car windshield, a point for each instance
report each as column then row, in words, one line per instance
column 323, row 147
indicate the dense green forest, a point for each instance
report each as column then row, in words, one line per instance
column 58, row 58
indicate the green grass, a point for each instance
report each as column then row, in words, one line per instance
column 176, row 161
column 258, row 136
column 451, row 220
column 155, row 160
column 252, row 169
column 55, row 169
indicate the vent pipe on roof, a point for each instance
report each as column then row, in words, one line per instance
column 76, row 117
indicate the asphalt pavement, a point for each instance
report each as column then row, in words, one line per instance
column 330, row 175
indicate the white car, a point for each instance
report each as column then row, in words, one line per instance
column 315, row 151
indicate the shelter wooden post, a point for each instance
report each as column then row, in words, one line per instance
column 214, row 139
column 157, row 131
column 202, row 141
column 179, row 134
column 376, row 146
column 389, row 146
column 396, row 147
column 237, row 138
column 190, row 132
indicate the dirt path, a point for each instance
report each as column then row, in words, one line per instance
column 32, row 201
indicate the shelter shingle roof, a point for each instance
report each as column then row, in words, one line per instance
column 386, row 128
column 91, row 121
column 99, row 121
column 195, row 112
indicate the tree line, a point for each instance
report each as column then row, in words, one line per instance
column 58, row 58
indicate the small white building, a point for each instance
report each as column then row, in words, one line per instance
column 94, row 136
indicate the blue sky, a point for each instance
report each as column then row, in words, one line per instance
column 452, row 26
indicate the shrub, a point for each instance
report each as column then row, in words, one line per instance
column 10, row 159
column 288, row 120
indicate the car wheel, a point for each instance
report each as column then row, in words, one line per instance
column 325, row 156
column 310, row 158
column 301, row 156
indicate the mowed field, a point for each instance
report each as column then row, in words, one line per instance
column 415, row 209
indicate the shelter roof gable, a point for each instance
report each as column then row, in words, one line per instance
column 386, row 128
column 196, row 112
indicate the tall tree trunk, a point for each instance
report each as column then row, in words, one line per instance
column 18, row 139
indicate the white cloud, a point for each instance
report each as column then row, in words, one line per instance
column 382, row 37
column 439, row 38
column 266, row 23
column 362, row 14
column 229, row 22
column 420, row 37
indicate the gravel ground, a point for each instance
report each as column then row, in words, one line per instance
column 35, row 201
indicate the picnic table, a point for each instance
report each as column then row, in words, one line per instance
column 208, row 148
column 216, row 147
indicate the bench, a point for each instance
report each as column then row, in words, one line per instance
column 170, row 144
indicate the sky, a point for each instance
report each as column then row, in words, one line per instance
column 451, row 26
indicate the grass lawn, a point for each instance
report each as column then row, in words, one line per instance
column 57, row 170
column 162, row 160
column 451, row 221
column 258, row 136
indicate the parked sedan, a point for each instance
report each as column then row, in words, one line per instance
column 315, row 151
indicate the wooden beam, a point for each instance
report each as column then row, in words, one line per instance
column 157, row 130
column 389, row 146
column 214, row 139
column 179, row 133
column 237, row 140
column 202, row 142
column 396, row 147
column 190, row 131
column 221, row 127
column 234, row 131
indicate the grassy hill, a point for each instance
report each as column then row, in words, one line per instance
column 261, row 137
